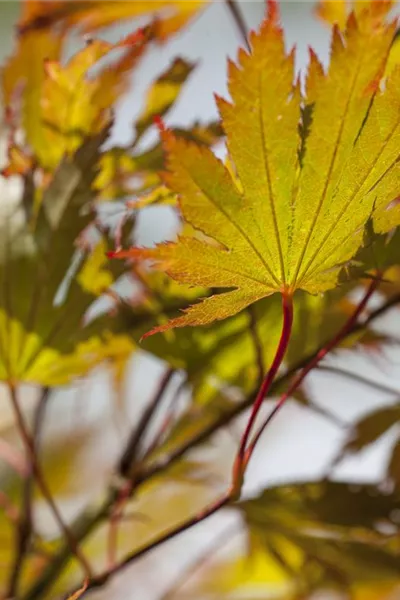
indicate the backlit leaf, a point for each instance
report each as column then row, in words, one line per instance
column 370, row 428
column 325, row 523
column 75, row 104
column 296, row 211
column 163, row 93
column 46, row 283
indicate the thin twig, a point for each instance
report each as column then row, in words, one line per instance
column 130, row 452
column 239, row 20
column 166, row 424
column 298, row 380
column 210, row 510
column 25, row 526
column 94, row 515
column 287, row 320
column 40, row 481
column 128, row 461
column 358, row 378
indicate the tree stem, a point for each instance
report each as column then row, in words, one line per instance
column 313, row 363
column 287, row 321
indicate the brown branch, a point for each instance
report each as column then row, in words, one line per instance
column 356, row 377
column 130, row 452
column 130, row 458
column 239, row 20
column 210, row 510
column 93, row 516
column 24, row 528
column 37, row 474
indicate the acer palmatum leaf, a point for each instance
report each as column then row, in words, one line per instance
column 294, row 211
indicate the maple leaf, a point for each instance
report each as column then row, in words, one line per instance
column 163, row 94
column 42, row 337
column 62, row 103
column 295, row 209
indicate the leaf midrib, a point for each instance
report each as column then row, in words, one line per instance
column 268, row 175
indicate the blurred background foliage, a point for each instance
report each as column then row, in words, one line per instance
column 133, row 437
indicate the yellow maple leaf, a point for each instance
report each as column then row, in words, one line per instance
column 296, row 210
column 61, row 104
column 74, row 104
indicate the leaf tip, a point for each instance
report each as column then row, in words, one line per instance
column 273, row 15
column 160, row 124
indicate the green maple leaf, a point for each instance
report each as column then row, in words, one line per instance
column 292, row 210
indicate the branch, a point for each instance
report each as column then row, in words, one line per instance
column 370, row 383
column 210, row 510
column 129, row 455
column 129, row 460
column 344, row 331
column 90, row 518
column 30, row 448
column 241, row 462
column 239, row 20
column 25, row 527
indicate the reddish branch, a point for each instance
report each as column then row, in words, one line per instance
column 240, row 462
column 313, row 363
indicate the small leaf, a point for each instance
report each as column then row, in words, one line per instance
column 163, row 94
column 370, row 428
column 74, row 104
